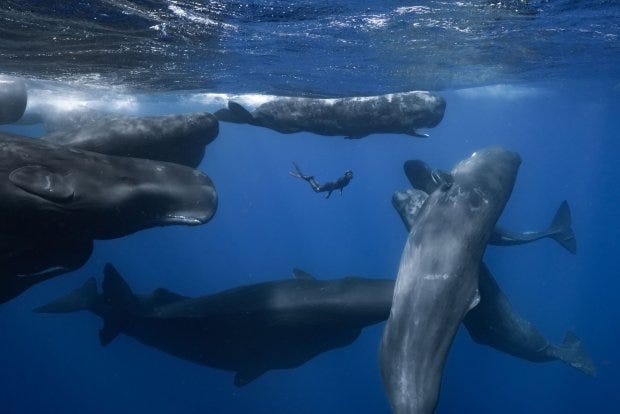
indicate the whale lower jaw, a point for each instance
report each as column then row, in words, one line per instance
column 187, row 220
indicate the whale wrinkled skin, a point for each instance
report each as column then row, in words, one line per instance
column 351, row 117
column 51, row 190
column 180, row 139
column 437, row 282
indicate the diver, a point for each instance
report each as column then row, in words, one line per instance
column 329, row 186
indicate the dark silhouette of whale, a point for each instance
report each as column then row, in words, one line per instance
column 249, row 330
column 351, row 117
column 423, row 177
column 180, row 139
column 493, row 321
column 437, row 282
column 47, row 190
column 13, row 99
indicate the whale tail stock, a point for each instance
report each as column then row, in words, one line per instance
column 120, row 303
column 115, row 304
column 571, row 352
column 235, row 113
column 561, row 230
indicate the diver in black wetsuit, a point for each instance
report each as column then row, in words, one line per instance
column 329, row 186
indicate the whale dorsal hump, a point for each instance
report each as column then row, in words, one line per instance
column 241, row 114
column 163, row 297
column 302, row 275
column 41, row 181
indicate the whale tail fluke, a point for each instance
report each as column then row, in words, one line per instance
column 120, row 304
column 561, row 230
column 572, row 353
column 235, row 113
column 82, row 298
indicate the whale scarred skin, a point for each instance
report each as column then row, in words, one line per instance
column 494, row 322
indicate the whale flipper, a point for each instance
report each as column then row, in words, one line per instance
column 560, row 229
column 235, row 113
column 41, row 181
column 82, row 298
column 572, row 353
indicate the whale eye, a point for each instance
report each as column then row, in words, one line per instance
column 41, row 181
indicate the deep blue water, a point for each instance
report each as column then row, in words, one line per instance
column 563, row 123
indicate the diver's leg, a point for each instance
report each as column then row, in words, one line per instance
column 316, row 186
column 297, row 173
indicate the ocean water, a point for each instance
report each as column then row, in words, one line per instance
column 541, row 78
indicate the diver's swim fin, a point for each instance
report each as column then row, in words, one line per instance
column 298, row 174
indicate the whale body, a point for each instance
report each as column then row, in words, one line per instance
column 249, row 329
column 437, row 282
column 351, row 117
